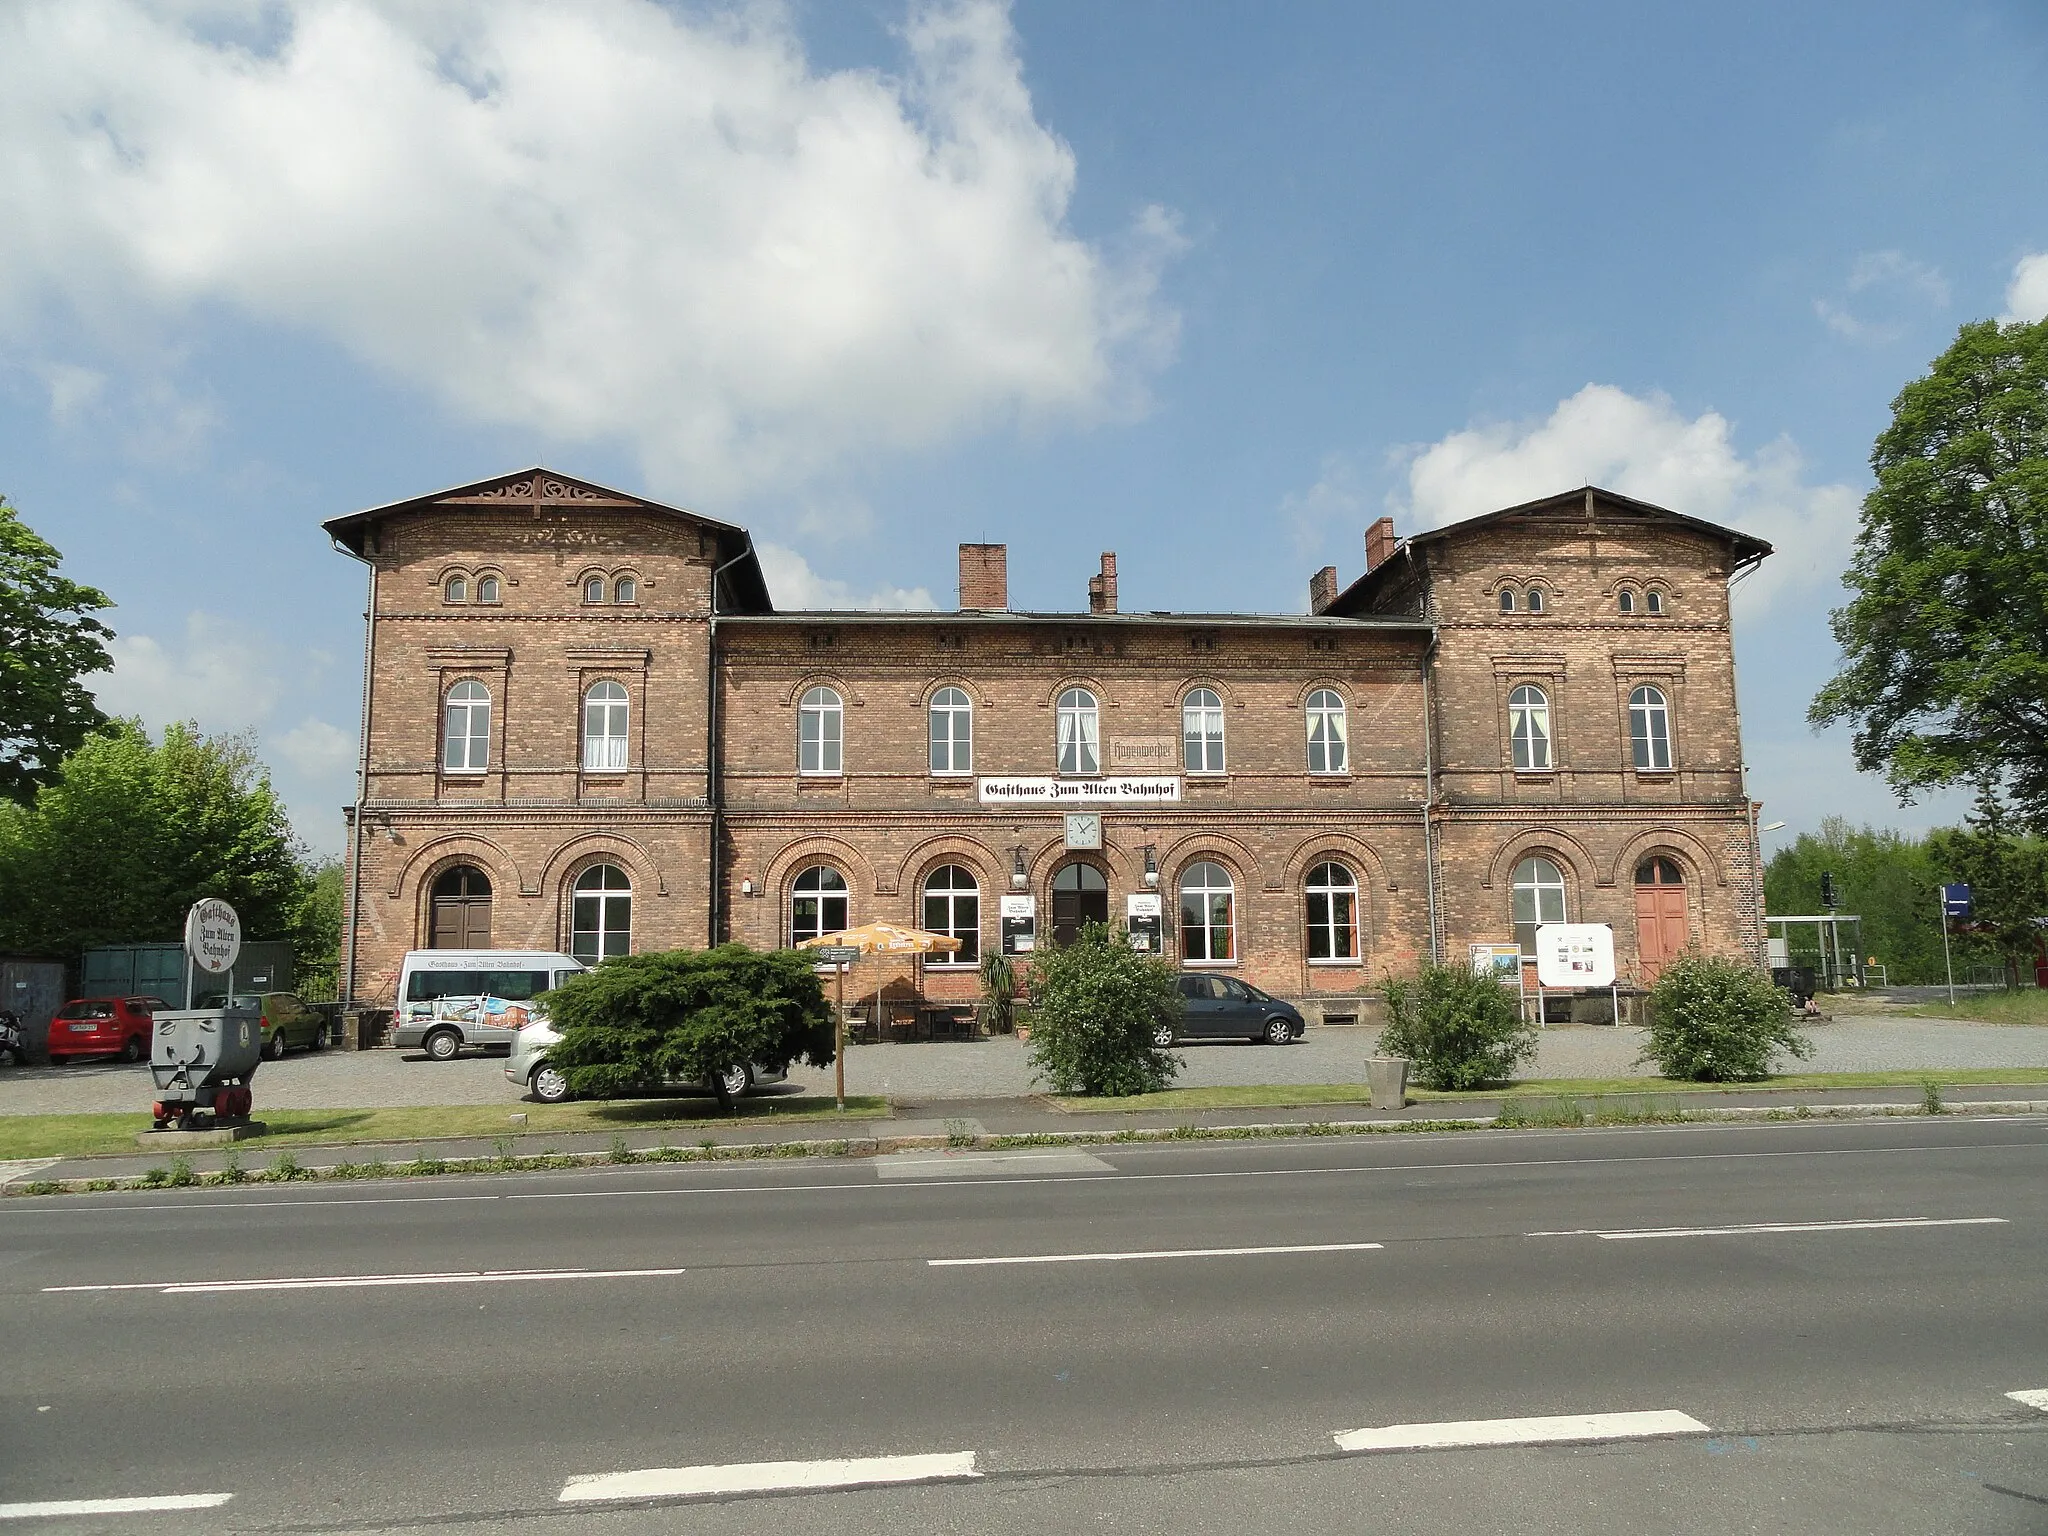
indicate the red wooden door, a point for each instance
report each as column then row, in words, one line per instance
column 1662, row 931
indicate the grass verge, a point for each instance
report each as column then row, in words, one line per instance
column 91, row 1135
column 2029, row 1006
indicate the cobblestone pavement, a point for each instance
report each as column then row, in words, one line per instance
column 1001, row 1069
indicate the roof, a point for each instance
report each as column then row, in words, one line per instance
column 744, row 588
column 1017, row 616
column 1590, row 502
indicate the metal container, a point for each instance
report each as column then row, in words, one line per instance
column 202, row 1059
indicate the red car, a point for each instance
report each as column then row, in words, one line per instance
column 103, row 1026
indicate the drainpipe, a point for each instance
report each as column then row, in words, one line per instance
column 1429, row 801
column 355, row 874
column 714, row 784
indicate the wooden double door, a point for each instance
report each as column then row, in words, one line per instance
column 1663, row 926
column 460, row 913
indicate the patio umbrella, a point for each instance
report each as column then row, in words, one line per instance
column 885, row 939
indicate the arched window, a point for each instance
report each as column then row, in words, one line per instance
column 487, row 589
column 466, row 731
column 820, row 720
column 1659, row 870
column 593, row 589
column 817, row 903
column 601, row 914
column 1654, row 601
column 627, row 590
column 604, row 728
column 952, row 906
column 1535, row 599
column 1208, row 913
column 1079, row 739
column 456, row 590
column 1201, row 731
column 952, row 731
column 1507, row 599
column 1327, row 748
column 1529, row 728
column 459, row 916
column 1649, row 730
column 1625, row 600
column 1538, row 898
column 1332, row 913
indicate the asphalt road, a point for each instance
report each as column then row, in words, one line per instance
column 1831, row 1378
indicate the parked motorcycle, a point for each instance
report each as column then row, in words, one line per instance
column 12, row 1050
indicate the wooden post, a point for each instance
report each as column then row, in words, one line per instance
column 839, row 1034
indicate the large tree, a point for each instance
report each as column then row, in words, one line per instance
column 49, row 641
column 1946, row 639
column 2008, row 879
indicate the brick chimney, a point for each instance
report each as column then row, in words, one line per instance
column 984, row 576
column 1322, row 589
column 1102, row 589
column 1379, row 543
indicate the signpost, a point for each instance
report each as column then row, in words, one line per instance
column 839, row 957
column 1955, row 902
column 213, row 941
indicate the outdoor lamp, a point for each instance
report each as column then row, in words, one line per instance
column 1018, row 879
column 1151, row 865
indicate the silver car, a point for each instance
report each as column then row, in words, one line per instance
column 528, row 1067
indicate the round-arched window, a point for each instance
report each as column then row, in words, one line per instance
column 817, row 903
column 456, row 590
column 1208, row 913
column 952, row 906
column 1649, row 729
column 1658, row 870
column 1201, row 731
column 1538, row 898
column 627, row 590
column 1332, row 913
column 487, row 589
column 820, row 732
column 466, row 729
column 952, row 731
column 1328, row 748
column 1625, row 600
column 1079, row 720
column 601, row 914
column 605, row 712
column 593, row 589
column 1529, row 728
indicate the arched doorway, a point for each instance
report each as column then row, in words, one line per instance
column 461, row 910
column 1662, row 932
column 1079, row 895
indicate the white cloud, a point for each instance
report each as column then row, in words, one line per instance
column 2027, row 296
column 610, row 220
column 794, row 585
column 1641, row 446
column 1337, row 499
column 319, row 750
column 1886, row 291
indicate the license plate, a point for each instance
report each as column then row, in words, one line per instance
column 84, row 1029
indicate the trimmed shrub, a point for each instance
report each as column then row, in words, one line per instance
column 1460, row 1029
column 1718, row 1021
column 1096, row 1004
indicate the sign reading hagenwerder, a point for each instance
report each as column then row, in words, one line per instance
column 1109, row 791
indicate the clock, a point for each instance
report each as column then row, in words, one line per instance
column 1084, row 829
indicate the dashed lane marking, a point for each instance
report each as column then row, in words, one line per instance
column 348, row 1282
column 1748, row 1228
column 769, row 1477
column 977, row 1165
column 2033, row 1397
column 1152, row 1253
column 1558, row 1429
column 51, row 1508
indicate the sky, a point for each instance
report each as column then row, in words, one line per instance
column 1211, row 286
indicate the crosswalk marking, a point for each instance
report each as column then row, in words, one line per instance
column 770, row 1477
column 1553, row 1430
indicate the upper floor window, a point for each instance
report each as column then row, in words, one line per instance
column 1625, row 600
column 1327, row 747
column 1201, row 731
column 1653, row 600
column 820, row 722
column 601, row 914
column 455, row 590
column 952, row 906
column 593, row 589
column 1332, row 913
column 952, row 731
column 1649, row 729
column 1208, row 914
column 487, row 589
column 1538, row 898
column 817, row 904
column 604, row 728
column 466, row 729
column 1529, row 728
column 1535, row 599
column 1507, row 599
column 627, row 590
column 1079, row 732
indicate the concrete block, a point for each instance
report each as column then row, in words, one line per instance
column 178, row 1141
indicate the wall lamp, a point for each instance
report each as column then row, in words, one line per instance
column 1151, row 865
column 1019, row 880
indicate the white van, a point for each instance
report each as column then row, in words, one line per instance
column 449, row 998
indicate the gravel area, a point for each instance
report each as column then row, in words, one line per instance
column 1001, row 1069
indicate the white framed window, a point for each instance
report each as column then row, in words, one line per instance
column 1507, row 599
column 1328, row 750
column 455, row 590
column 627, row 589
column 1201, row 731
column 952, row 731
column 820, row 732
column 601, row 914
column 1653, row 600
column 1529, row 728
column 1208, row 913
column 1649, row 730
column 593, row 589
column 1535, row 599
column 817, row 903
column 952, row 906
column 1625, row 600
column 1080, row 722
column 487, row 589
column 1538, row 896
column 1332, row 915
column 605, row 714
column 466, row 729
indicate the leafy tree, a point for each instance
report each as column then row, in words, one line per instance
column 1714, row 1020
column 48, row 642
column 316, row 927
column 1946, row 639
column 1886, row 878
column 132, row 832
column 2008, row 879
column 637, row 1020
column 1460, row 1029
column 1097, row 1008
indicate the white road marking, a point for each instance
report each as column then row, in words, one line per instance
column 1153, row 1253
column 54, row 1507
column 769, row 1477
column 1628, row 1234
column 345, row 1282
column 969, row 1165
column 21, row 1167
column 1561, row 1428
column 2035, row 1397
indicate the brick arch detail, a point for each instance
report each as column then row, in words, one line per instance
column 1683, row 846
column 848, row 698
column 1114, row 862
column 1218, row 848
column 949, row 848
column 1078, row 680
column 1337, row 685
column 1345, row 849
column 800, row 854
column 587, row 848
column 977, row 693
column 426, row 862
column 1213, row 683
column 1581, row 868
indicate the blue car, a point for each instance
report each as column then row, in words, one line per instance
column 1223, row 1008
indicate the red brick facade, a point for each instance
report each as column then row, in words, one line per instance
column 721, row 758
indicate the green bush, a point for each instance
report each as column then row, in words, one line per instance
column 1460, row 1029
column 1096, row 1004
column 1715, row 1021
column 639, row 1020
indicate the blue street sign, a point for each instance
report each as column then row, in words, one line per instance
column 1955, row 900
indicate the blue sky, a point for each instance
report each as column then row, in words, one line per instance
column 1212, row 286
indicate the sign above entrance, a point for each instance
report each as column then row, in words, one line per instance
column 1113, row 791
column 1575, row 955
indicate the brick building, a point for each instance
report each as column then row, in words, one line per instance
column 587, row 728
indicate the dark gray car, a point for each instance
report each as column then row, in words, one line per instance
column 1223, row 1008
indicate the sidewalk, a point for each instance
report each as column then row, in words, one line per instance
column 938, row 1119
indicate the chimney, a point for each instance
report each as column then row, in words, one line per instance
column 1322, row 589
column 1102, row 589
column 984, row 576
column 1379, row 543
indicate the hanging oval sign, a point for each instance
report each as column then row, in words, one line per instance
column 213, row 935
